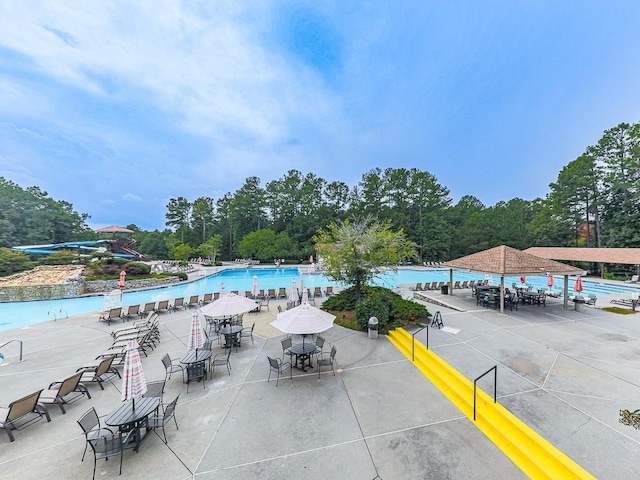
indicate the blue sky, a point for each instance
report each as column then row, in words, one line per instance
column 119, row 106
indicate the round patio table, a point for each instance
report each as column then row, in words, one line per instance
column 231, row 335
column 303, row 352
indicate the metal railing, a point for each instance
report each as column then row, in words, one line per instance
column 413, row 339
column 11, row 341
column 495, row 387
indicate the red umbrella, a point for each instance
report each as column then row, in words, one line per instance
column 122, row 275
column 578, row 286
column 522, row 279
column 550, row 281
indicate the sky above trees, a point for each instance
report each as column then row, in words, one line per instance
column 118, row 107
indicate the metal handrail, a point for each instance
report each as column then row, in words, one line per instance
column 495, row 387
column 413, row 340
column 11, row 341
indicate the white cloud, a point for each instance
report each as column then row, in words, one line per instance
column 131, row 197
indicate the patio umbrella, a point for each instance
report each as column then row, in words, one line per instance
column 550, row 281
column 229, row 304
column 305, row 295
column 122, row 275
column 523, row 279
column 293, row 294
column 134, row 384
column 222, row 290
column 578, row 285
column 254, row 287
column 196, row 340
column 304, row 319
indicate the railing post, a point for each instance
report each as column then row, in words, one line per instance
column 495, row 387
column 11, row 341
column 413, row 339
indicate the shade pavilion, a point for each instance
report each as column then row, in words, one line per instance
column 508, row 261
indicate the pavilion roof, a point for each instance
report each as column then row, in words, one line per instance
column 505, row 260
column 629, row 256
column 114, row 229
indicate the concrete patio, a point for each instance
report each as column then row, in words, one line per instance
column 565, row 373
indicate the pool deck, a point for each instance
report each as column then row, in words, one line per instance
column 564, row 373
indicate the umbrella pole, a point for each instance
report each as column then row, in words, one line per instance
column 134, row 403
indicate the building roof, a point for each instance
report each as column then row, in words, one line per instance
column 598, row 255
column 505, row 260
column 114, row 229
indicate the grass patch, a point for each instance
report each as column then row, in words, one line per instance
column 346, row 319
column 620, row 310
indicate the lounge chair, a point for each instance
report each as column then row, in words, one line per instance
column 193, row 301
column 59, row 390
column 417, row 288
column 22, row 413
column 282, row 293
column 328, row 291
column 634, row 279
column 99, row 373
column 149, row 307
column 456, row 284
column 317, row 292
column 130, row 311
column 591, row 300
column 178, row 303
column 465, row 284
column 163, row 305
column 271, row 293
column 208, row 298
column 112, row 315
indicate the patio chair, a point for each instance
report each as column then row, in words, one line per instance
column 131, row 311
column 163, row 306
column 196, row 372
column 223, row 358
column 278, row 366
column 592, row 299
column 90, row 424
column 21, row 413
column 149, row 307
column 330, row 361
column 171, row 367
column 103, row 444
column 161, row 420
column 417, row 288
column 328, row 291
column 634, row 279
column 208, row 298
column 319, row 344
column 178, row 303
column 264, row 303
column 286, row 347
column 155, row 389
column 99, row 373
column 248, row 332
column 271, row 293
column 112, row 315
column 282, row 293
column 193, row 301
column 317, row 292
column 59, row 390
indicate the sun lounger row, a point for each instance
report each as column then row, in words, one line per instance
column 457, row 285
column 432, row 264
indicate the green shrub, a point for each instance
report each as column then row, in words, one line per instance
column 137, row 268
column 13, row 262
column 183, row 276
column 389, row 308
column 372, row 307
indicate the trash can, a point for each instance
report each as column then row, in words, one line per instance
column 373, row 327
column 579, row 302
column 444, row 289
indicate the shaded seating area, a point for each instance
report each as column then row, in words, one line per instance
column 21, row 413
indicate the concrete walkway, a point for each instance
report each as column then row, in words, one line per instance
column 564, row 373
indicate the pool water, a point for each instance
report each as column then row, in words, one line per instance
column 23, row 314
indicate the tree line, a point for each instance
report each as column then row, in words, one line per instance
column 593, row 202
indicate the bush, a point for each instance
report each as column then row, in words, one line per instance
column 183, row 276
column 137, row 268
column 389, row 308
column 13, row 262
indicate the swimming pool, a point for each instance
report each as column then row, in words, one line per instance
column 23, row 314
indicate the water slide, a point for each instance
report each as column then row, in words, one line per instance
column 87, row 245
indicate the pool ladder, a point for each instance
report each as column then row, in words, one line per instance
column 54, row 316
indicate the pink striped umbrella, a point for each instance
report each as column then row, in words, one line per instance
column 222, row 289
column 196, row 340
column 134, row 385
column 293, row 293
column 229, row 304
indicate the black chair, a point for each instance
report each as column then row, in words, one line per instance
column 223, row 358
column 155, row 390
column 327, row 361
column 159, row 421
column 171, row 367
column 104, row 443
column 286, row 348
column 196, row 372
column 278, row 366
column 247, row 333
column 319, row 344
column 90, row 424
